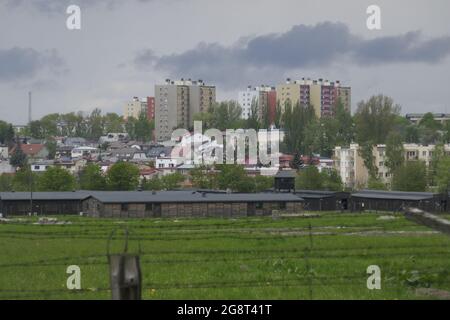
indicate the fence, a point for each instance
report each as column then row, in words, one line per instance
column 301, row 258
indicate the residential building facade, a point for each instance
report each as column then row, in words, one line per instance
column 353, row 172
column 176, row 102
column 323, row 95
column 350, row 166
column 439, row 117
column 135, row 107
column 264, row 99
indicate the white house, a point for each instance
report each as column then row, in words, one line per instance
column 168, row 165
column 41, row 166
column 5, row 167
column 82, row 152
column 4, row 152
column 113, row 137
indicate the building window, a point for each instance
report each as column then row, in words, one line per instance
column 124, row 207
column 282, row 205
column 259, row 205
column 149, row 207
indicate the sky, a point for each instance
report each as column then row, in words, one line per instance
column 124, row 48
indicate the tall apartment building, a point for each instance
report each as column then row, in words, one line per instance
column 264, row 98
column 151, row 108
column 133, row 108
column 322, row 94
column 350, row 166
column 176, row 102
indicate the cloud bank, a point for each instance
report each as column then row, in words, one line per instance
column 302, row 46
column 19, row 63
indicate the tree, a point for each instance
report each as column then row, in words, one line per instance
column 263, row 183
column 299, row 123
column 6, row 183
column 154, row 184
column 18, row 158
column 438, row 156
column 345, row 125
column 92, row 178
column 95, row 125
column 446, row 132
column 123, row 176
column 253, row 121
column 331, row 180
column 56, row 179
column 411, row 176
column 374, row 119
column 234, row 177
column 366, row 153
column 202, row 177
column 113, row 123
column 278, row 115
column 143, row 128
column 297, row 161
column 443, row 175
column 309, row 179
column 205, row 118
column 51, row 147
column 226, row 115
column 375, row 183
column 25, row 180
column 394, row 151
column 429, row 122
column 6, row 133
column 172, row 181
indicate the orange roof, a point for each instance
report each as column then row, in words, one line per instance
column 31, row 149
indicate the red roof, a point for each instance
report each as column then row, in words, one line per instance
column 31, row 149
column 148, row 171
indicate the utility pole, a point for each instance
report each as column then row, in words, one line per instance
column 31, row 171
column 31, row 191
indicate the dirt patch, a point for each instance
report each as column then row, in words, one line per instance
column 384, row 218
column 433, row 293
column 300, row 215
column 51, row 221
column 386, row 233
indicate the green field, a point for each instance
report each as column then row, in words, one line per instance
column 292, row 257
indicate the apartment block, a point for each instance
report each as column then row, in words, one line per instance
column 264, row 97
column 176, row 102
column 350, row 166
column 353, row 175
column 151, row 108
column 134, row 108
column 439, row 117
column 323, row 95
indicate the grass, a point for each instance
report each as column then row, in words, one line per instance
column 323, row 257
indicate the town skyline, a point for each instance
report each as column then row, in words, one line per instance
column 87, row 69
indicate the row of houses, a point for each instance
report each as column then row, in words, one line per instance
column 206, row 203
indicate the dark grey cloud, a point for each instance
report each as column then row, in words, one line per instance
column 301, row 47
column 18, row 63
column 410, row 47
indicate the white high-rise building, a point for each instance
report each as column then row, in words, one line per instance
column 256, row 95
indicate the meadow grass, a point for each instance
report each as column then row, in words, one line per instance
column 324, row 257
